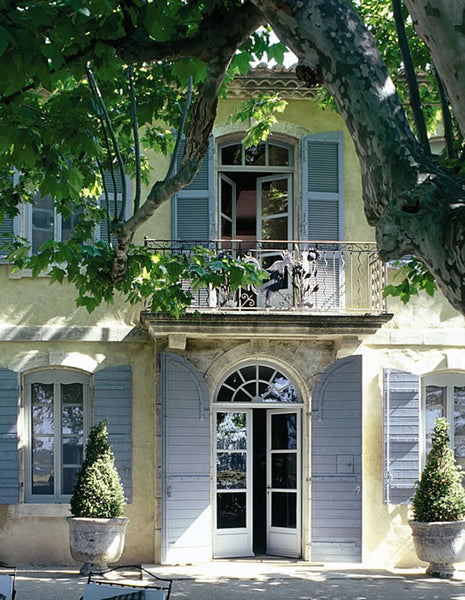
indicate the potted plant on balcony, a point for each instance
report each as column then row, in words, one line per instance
column 438, row 525
column 97, row 527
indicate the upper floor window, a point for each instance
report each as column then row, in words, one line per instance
column 39, row 221
column 57, row 415
column 444, row 396
column 257, row 383
column 43, row 223
column 256, row 200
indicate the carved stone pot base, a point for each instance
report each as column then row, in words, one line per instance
column 96, row 542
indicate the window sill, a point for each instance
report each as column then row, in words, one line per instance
column 24, row 273
column 18, row 511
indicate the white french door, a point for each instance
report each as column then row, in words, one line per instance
column 274, row 228
column 228, row 201
column 234, row 529
column 232, row 484
column 283, row 483
column 273, row 207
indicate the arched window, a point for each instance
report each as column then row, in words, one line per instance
column 258, row 383
column 256, row 191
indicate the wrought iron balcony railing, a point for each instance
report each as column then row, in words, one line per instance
column 342, row 277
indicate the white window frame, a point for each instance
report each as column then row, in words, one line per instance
column 55, row 377
column 256, row 402
column 27, row 221
column 449, row 380
column 236, row 141
column 26, row 217
column 265, row 170
column 26, row 225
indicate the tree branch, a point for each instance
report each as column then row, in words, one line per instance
column 229, row 36
column 415, row 100
column 446, row 116
column 135, row 132
column 415, row 205
column 180, row 131
column 440, row 23
column 222, row 27
column 119, row 158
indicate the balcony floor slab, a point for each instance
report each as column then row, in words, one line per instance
column 274, row 324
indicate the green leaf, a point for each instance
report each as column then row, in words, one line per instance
column 183, row 69
column 414, row 277
column 276, row 52
column 57, row 274
column 5, row 39
column 242, row 61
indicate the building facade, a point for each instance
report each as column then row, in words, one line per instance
column 290, row 419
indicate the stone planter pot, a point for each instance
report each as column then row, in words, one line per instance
column 440, row 544
column 96, row 542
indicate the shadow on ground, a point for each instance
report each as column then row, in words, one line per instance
column 300, row 583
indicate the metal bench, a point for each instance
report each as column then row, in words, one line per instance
column 126, row 583
column 7, row 582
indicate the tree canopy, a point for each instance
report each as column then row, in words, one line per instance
column 81, row 80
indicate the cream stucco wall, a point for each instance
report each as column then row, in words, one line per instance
column 425, row 336
column 40, row 326
column 33, row 315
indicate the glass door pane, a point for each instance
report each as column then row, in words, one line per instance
column 43, row 438
column 227, row 210
column 232, row 484
column 231, row 469
column 459, row 424
column 273, row 209
column 72, row 434
column 283, row 469
column 435, row 407
column 284, row 488
column 274, row 229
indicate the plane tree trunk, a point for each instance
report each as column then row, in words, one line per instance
column 441, row 25
column 415, row 205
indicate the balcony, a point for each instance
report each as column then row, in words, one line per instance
column 306, row 277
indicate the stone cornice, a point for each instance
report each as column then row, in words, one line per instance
column 277, row 79
column 275, row 325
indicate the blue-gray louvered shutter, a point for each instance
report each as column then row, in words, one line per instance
column 112, row 401
column 9, row 227
column 7, row 230
column 193, row 214
column 323, row 210
column 322, row 186
column 9, row 469
column 193, row 206
column 113, row 187
column 401, row 435
column 336, row 510
column 186, row 529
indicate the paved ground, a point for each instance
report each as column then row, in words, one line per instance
column 267, row 580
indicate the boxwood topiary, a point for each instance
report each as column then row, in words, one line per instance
column 439, row 495
column 98, row 492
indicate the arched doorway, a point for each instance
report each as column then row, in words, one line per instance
column 257, row 464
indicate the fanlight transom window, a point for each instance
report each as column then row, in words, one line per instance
column 257, row 383
column 266, row 154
